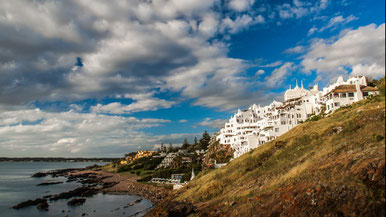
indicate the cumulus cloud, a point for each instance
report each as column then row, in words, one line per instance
column 241, row 5
column 362, row 50
column 279, row 75
column 75, row 134
column 143, row 102
column 213, row 123
column 125, row 47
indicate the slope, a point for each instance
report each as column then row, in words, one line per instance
column 334, row 166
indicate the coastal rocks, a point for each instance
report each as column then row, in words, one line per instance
column 30, row 203
column 78, row 192
column 76, row 201
column 48, row 183
column 43, row 206
column 39, row 175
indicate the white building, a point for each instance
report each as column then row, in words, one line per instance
column 167, row 161
column 252, row 127
column 343, row 93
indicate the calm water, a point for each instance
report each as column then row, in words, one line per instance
column 16, row 185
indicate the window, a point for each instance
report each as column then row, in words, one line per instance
column 337, row 104
column 336, row 95
column 344, row 95
column 365, row 93
column 276, row 130
column 350, row 94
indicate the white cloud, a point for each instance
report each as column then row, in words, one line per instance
column 241, row 5
column 260, row 72
column 76, row 134
column 295, row 50
column 274, row 64
column 278, row 75
column 213, row 123
column 362, row 50
column 338, row 20
column 183, row 121
column 143, row 102
column 312, row 31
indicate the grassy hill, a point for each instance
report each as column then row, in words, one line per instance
column 331, row 167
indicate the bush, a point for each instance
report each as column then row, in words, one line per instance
column 138, row 173
column 123, row 168
column 314, row 118
column 145, row 179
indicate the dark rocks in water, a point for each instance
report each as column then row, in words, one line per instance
column 39, row 174
column 30, row 203
column 76, row 201
column 48, row 183
column 138, row 200
column 47, row 196
column 78, row 192
column 83, row 214
column 43, row 206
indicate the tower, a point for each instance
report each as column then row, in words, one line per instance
column 192, row 177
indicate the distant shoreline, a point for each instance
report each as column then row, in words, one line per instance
column 55, row 159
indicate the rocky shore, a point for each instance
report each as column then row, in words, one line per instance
column 94, row 181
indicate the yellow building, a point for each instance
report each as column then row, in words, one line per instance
column 140, row 154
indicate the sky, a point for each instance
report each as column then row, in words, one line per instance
column 96, row 78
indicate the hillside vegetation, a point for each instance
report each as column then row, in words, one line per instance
column 334, row 166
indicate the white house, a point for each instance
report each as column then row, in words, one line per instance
column 343, row 93
column 252, row 127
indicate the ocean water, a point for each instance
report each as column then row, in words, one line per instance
column 17, row 185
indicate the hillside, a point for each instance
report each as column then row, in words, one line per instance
column 331, row 167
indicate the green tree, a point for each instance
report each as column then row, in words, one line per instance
column 170, row 149
column 204, row 141
column 185, row 145
column 195, row 141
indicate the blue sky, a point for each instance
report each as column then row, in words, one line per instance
column 97, row 78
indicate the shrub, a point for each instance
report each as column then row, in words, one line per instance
column 123, row 168
column 138, row 173
column 145, row 179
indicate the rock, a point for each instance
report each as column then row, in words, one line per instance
column 83, row 214
column 39, row 174
column 30, row 203
column 76, row 202
column 78, row 192
column 48, row 183
column 43, row 206
column 138, row 200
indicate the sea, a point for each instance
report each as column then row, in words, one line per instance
column 17, row 185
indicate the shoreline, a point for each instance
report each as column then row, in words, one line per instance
column 125, row 185
column 93, row 181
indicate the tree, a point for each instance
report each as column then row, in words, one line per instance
column 195, row 141
column 185, row 145
column 204, row 141
column 170, row 149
